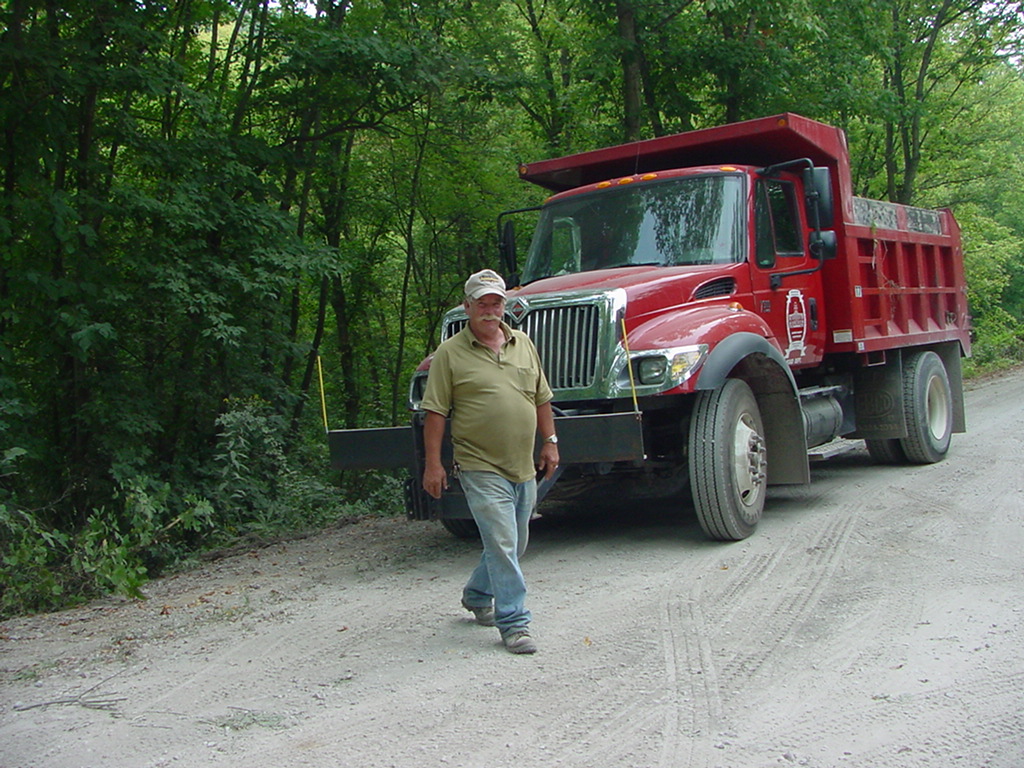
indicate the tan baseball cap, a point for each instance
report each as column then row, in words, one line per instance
column 484, row 282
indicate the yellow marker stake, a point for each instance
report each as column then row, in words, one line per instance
column 323, row 400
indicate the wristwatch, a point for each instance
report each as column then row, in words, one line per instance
column 551, row 439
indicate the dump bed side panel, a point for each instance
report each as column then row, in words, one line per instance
column 899, row 281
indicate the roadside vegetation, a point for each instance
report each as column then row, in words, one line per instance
column 202, row 201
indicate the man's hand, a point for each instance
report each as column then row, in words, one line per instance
column 435, row 480
column 548, row 460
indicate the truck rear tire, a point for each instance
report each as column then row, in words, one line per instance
column 728, row 461
column 928, row 404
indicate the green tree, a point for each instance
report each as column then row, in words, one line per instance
column 927, row 58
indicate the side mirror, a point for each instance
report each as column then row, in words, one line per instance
column 823, row 245
column 818, row 196
column 507, row 246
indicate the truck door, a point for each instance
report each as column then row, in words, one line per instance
column 787, row 296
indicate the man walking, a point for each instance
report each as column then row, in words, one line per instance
column 488, row 377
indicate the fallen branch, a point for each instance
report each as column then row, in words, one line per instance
column 83, row 699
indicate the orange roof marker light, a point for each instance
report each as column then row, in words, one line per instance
column 626, row 180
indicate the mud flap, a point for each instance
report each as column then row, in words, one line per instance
column 878, row 401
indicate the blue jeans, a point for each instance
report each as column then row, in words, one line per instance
column 502, row 512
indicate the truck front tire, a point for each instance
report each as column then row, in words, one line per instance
column 728, row 461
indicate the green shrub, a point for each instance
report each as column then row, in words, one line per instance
column 42, row 568
column 254, row 487
column 30, row 554
column 258, row 489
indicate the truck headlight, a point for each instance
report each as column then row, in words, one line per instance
column 667, row 368
column 651, row 370
column 416, row 389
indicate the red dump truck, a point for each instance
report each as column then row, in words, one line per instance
column 711, row 306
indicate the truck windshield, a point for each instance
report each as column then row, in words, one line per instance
column 674, row 222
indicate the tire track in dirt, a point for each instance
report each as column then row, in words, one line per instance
column 635, row 697
column 613, row 736
column 690, row 667
column 774, row 622
column 691, row 682
column 917, row 729
column 637, row 701
column 700, row 672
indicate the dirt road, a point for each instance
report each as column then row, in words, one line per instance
column 875, row 620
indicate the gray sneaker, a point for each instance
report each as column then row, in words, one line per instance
column 520, row 641
column 484, row 614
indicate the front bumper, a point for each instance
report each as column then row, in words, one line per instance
column 588, row 439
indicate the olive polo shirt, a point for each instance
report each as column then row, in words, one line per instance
column 492, row 399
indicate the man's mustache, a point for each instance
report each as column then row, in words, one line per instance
column 491, row 317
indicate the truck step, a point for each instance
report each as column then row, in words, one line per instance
column 837, row 447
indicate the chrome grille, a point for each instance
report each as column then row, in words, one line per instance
column 567, row 340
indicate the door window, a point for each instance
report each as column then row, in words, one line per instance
column 778, row 222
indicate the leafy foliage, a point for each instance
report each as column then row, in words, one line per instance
column 995, row 255
column 42, row 567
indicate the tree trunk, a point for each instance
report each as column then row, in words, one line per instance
column 631, row 73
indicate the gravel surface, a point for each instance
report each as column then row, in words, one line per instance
column 874, row 620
